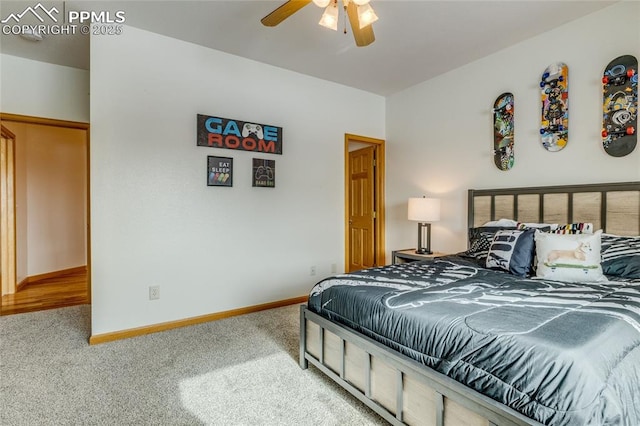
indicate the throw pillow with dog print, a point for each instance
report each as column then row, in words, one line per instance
column 569, row 257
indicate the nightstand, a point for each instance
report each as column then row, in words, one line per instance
column 409, row 255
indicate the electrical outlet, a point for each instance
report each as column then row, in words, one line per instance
column 312, row 270
column 334, row 268
column 154, row 292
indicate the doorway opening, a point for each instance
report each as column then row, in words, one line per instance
column 50, row 245
column 7, row 212
column 364, row 202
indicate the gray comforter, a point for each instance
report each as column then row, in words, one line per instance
column 559, row 353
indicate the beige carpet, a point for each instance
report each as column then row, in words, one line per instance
column 238, row 371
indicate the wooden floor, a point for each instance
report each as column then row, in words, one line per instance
column 65, row 290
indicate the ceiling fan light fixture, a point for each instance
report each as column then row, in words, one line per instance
column 366, row 15
column 330, row 17
column 321, row 3
column 360, row 2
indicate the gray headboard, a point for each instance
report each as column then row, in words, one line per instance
column 612, row 207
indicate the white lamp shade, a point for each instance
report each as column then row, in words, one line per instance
column 330, row 17
column 424, row 209
column 366, row 15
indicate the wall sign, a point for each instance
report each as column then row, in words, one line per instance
column 219, row 171
column 217, row 132
column 264, row 173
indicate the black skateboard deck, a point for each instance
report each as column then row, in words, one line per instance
column 620, row 106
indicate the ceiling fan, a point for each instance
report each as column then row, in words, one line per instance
column 360, row 13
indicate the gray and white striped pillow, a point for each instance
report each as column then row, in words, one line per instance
column 621, row 256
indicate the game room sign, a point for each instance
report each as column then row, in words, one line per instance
column 217, row 132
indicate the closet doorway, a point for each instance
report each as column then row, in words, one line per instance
column 49, row 247
column 364, row 201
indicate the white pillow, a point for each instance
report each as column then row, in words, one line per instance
column 501, row 222
column 569, row 257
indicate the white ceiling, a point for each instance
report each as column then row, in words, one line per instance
column 415, row 40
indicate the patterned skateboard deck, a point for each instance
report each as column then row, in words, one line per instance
column 554, row 85
column 620, row 106
column 503, row 131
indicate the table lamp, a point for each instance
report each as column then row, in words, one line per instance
column 424, row 210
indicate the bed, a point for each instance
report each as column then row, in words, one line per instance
column 452, row 342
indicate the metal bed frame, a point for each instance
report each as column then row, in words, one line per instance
column 447, row 398
column 403, row 391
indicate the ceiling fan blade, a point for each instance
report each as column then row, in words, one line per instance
column 283, row 12
column 364, row 36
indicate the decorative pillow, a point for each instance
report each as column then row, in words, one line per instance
column 544, row 227
column 574, row 228
column 512, row 251
column 479, row 242
column 569, row 257
column 501, row 223
column 621, row 256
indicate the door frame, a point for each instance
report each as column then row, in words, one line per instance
column 69, row 125
column 8, row 216
column 379, row 226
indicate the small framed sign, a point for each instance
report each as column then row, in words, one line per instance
column 218, row 132
column 264, row 173
column 219, row 171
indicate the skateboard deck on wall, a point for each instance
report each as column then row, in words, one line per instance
column 503, row 135
column 620, row 106
column 554, row 129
